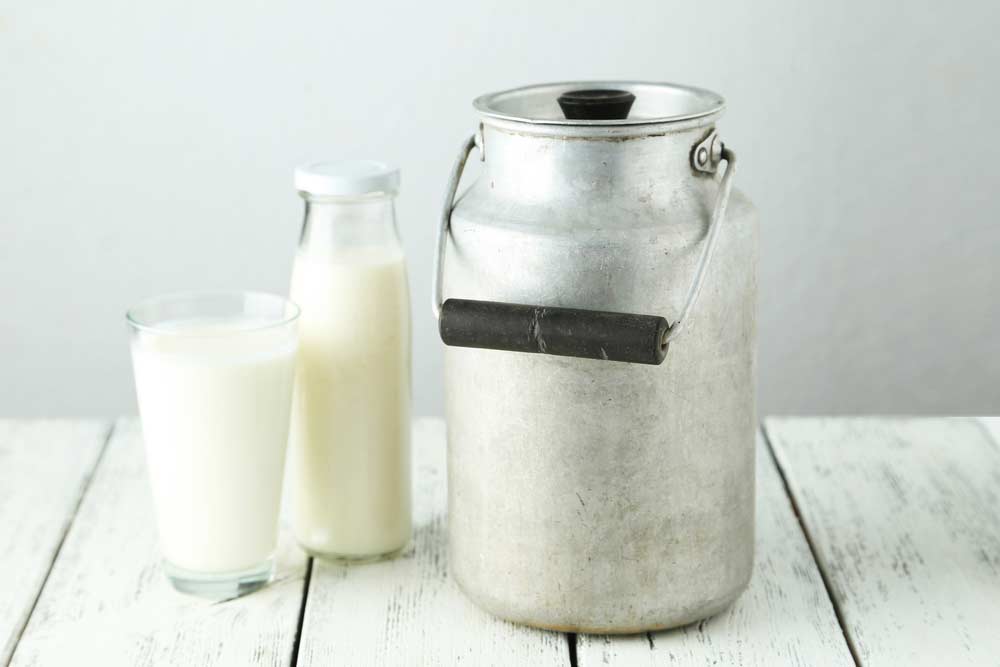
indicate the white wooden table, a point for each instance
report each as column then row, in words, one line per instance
column 878, row 543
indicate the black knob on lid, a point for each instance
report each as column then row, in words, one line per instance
column 596, row 104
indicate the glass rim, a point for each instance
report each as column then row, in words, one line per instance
column 291, row 310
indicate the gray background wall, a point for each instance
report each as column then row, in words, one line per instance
column 149, row 147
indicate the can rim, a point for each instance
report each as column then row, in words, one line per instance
column 691, row 103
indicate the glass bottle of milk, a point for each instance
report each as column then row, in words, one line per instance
column 350, row 433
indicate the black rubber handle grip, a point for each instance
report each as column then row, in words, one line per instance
column 566, row 332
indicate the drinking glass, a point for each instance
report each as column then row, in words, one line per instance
column 213, row 377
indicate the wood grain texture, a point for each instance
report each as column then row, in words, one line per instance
column 905, row 516
column 44, row 468
column 107, row 602
column 408, row 611
column 783, row 618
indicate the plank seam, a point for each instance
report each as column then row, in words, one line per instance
column 84, row 488
column 571, row 644
column 813, row 550
column 302, row 613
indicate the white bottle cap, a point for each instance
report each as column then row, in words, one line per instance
column 347, row 177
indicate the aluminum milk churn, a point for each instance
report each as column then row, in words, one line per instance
column 596, row 288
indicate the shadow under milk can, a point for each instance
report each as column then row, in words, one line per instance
column 350, row 431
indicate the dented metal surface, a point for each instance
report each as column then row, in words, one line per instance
column 587, row 495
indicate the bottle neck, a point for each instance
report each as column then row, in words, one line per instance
column 334, row 224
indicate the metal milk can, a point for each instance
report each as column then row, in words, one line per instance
column 596, row 287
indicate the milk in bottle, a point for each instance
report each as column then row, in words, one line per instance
column 350, row 450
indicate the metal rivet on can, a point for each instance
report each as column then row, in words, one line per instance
column 716, row 148
column 702, row 156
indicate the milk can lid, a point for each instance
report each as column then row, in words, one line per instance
column 347, row 178
column 601, row 103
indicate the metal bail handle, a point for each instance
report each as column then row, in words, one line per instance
column 572, row 332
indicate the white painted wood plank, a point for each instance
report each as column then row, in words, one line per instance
column 905, row 516
column 992, row 425
column 408, row 611
column 107, row 602
column 783, row 618
column 44, row 468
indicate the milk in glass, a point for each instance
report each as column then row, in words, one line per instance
column 214, row 396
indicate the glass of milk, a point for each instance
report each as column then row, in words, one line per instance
column 213, row 375
column 350, row 435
